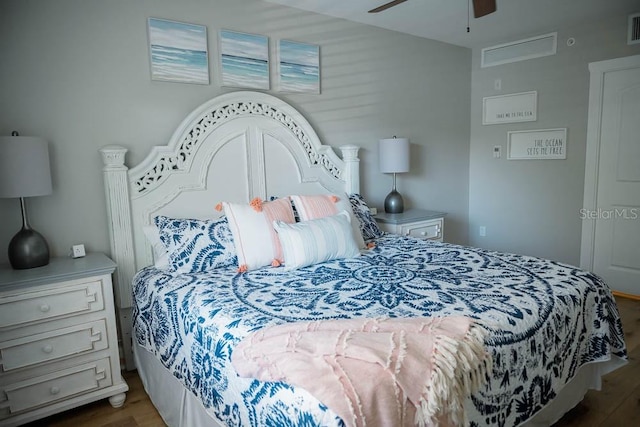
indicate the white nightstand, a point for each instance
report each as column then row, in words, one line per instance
column 419, row 223
column 58, row 338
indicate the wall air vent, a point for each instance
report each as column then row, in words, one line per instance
column 634, row 29
column 534, row 47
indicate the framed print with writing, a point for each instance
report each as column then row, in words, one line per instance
column 511, row 108
column 537, row 144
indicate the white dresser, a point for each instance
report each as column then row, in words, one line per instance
column 58, row 338
column 419, row 223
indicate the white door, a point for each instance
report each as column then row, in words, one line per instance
column 616, row 217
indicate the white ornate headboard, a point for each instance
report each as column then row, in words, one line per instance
column 234, row 147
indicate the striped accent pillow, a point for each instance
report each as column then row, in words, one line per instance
column 317, row 240
column 322, row 205
column 255, row 240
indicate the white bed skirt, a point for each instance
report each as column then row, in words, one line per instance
column 180, row 408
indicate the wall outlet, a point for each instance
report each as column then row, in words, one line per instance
column 482, row 231
column 77, row 251
column 497, row 151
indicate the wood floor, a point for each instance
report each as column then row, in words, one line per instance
column 616, row 405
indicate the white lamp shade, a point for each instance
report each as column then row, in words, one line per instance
column 24, row 167
column 394, row 155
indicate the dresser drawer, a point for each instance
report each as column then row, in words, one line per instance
column 423, row 230
column 46, row 389
column 26, row 307
column 52, row 345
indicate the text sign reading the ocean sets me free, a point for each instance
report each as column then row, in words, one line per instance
column 537, row 144
column 512, row 108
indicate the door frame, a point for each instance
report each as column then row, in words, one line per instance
column 598, row 71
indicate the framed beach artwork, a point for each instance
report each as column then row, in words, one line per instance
column 178, row 51
column 244, row 60
column 298, row 67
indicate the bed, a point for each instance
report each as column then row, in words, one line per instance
column 553, row 330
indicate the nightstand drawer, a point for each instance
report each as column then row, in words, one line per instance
column 430, row 230
column 21, row 308
column 418, row 223
column 60, row 385
column 52, row 345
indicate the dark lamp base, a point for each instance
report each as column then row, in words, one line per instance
column 28, row 249
column 393, row 203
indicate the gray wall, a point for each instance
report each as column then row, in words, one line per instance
column 76, row 72
column 532, row 206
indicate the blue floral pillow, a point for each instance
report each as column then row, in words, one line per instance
column 196, row 245
column 368, row 225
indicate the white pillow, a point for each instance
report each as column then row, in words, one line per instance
column 256, row 242
column 322, row 205
column 317, row 240
column 160, row 255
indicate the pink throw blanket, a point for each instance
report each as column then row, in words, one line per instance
column 375, row 372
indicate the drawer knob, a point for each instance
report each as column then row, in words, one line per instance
column 45, row 308
column 423, row 233
column 47, row 348
column 54, row 390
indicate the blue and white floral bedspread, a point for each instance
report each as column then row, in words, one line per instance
column 546, row 320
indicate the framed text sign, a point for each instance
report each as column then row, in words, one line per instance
column 537, row 144
column 511, row 108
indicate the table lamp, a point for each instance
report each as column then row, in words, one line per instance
column 394, row 158
column 25, row 172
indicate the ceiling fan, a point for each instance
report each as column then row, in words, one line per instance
column 480, row 7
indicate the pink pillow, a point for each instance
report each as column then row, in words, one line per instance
column 323, row 205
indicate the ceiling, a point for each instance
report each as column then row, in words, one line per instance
column 446, row 20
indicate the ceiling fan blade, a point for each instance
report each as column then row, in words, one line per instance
column 483, row 7
column 387, row 6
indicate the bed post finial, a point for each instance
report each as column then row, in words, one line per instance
column 351, row 173
column 120, row 235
